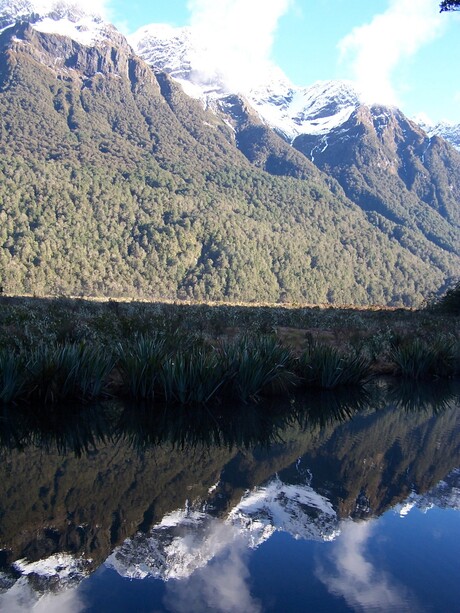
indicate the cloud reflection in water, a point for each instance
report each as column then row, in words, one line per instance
column 223, row 585
column 349, row 573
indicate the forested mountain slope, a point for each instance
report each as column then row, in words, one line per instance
column 406, row 181
column 113, row 181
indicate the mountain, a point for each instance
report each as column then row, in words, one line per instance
column 114, row 181
column 405, row 180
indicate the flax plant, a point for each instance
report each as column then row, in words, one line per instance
column 140, row 365
column 256, row 365
column 192, row 376
column 419, row 360
column 11, row 376
column 325, row 367
column 67, row 372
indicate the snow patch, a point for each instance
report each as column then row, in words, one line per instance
column 85, row 31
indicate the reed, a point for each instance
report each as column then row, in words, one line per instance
column 325, row 367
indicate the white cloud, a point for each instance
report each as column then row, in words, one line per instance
column 234, row 38
column 376, row 49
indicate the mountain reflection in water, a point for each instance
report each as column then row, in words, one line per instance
column 184, row 495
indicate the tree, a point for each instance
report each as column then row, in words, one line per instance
column 450, row 5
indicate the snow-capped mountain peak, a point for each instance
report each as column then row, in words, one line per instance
column 176, row 51
column 291, row 110
column 59, row 9
column 166, row 48
column 316, row 109
column 445, row 129
column 65, row 18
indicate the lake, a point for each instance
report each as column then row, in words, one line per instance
column 326, row 502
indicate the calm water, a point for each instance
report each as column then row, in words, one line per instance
column 329, row 503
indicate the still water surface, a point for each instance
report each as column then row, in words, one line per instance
column 332, row 503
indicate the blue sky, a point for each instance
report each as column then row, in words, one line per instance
column 400, row 51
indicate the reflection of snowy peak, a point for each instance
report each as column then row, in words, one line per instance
column 55, row 574
column 180, row 544
column 187, row 540
column 445, row 495
column 298, row 510
column 61, row 570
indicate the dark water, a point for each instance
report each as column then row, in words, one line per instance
column 325, row 503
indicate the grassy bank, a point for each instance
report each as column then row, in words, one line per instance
column 57, row 349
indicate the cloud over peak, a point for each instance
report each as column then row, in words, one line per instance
column 234, row 38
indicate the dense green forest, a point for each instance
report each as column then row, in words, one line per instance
column 113, row 182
